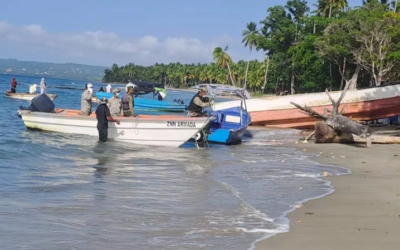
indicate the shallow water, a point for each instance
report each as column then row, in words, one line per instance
column 62, row 191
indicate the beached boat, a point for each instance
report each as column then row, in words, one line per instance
column 147, row 104
column 28, row 97
column 361, row 105
column 164, row 130
column 229, row 125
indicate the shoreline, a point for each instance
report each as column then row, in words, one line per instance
column 361, row 211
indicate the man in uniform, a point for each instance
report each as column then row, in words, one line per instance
column 86, row 100
column 103, row 117
column 198, row 102
column 114, row 104
column 128, row 103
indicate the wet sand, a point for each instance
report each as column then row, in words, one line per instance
column 363, row 213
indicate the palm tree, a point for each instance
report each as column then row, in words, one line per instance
column 222, row 58
column 250, row 40
column 262, row 43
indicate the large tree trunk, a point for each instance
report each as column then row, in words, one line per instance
column 353, row 80
column 344, row 68
column 266, row 75
column 326, row 134
column 230, row 74
column 335, row 126
column 247, row 70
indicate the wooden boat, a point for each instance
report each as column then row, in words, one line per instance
column 361, row 105
column 28, row 97
column 148, row 104
column 165, row 130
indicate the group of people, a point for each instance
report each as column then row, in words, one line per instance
column 108, row 109
column 32, row 88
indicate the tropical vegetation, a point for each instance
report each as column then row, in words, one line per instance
column 303, row 51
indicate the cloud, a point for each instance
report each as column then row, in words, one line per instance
column 105, row 48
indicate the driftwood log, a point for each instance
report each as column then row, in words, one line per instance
column 335, row 127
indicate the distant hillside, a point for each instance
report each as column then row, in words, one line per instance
column 55, row 70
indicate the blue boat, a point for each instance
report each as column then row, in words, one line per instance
column 227, row 126
column 148, row 104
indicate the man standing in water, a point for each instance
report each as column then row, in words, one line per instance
column 103, row 117
column 198, row 102
column 114, row 104
column 86, row 100
column 128, row 103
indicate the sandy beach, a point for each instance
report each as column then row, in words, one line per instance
column 363, row 213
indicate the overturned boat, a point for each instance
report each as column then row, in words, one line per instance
column 163, row 130
column 361, row 105
column 27, row 97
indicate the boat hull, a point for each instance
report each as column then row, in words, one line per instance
column 28, row 97
column 144, row 130
column 227, row 136
column 360, row 105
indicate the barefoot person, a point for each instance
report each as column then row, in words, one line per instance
column 103, row 117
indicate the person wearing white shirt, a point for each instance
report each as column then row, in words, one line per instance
column 108, row 88
column 43, row 86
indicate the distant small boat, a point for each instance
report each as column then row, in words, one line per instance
column 148, row 104
column 27, row 97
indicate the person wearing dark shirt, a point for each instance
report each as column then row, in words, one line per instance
column 103, row 116
column 198, row 102
column 13, row 85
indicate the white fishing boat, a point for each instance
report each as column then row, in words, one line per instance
column 164, row 130
column 27, row 97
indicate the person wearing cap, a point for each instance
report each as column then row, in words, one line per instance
column 86, row 100
column 114, row 104
column 103, row 116
column 128, row 103
column 198, row 102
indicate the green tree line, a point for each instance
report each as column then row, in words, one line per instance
column 303, row 51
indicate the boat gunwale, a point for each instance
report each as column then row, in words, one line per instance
column 144, row 117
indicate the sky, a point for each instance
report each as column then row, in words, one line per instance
column 103, row 32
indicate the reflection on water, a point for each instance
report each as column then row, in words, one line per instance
column 63, row 191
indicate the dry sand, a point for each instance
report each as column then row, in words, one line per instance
column 362, row 214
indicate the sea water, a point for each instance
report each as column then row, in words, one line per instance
column 61, row 191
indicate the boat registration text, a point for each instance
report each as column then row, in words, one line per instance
column 181, row 124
